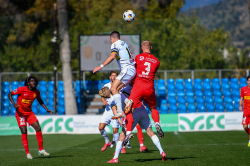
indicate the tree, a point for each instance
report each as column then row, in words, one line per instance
column 70, row 101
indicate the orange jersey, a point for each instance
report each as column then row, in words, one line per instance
column 25, row 99
column 245, row 93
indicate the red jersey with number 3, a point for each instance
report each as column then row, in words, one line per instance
column 146, row 67
column 25, row 99
column 245, row 93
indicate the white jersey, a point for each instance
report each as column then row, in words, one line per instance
column 111, row 102
column 124, row 56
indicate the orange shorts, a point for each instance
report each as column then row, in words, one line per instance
column 23, row 119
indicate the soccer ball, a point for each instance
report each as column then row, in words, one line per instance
column 128, row 15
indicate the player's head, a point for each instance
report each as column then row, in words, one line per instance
column 112, row 75
column 248, row 81
column 31, row 81
column 146, row 46
column 114, row 36
column 105, row 92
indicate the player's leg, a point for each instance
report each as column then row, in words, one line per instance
column 115, row 134
column 117, row 96
column 140, row 138
column 39, row 138
column 245, row 123
column 104, row 135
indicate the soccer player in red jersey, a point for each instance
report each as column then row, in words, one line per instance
column 245, row 94
column 143, row 88
column 24, row 114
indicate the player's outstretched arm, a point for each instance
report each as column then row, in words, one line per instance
column 104, row 101
column 40, row 101
column 106, row 62
column 12, row 101
column 240, row 104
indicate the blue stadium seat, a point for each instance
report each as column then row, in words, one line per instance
column 234, row 86
column 43, row 83
column 234, row 80
column 5, row 84
column 242, row 84
column 229, row 107
column 217, row 93
column 170, row 81
column 162, row 93
column 97, row 84
column 209, row 100
column 198, row 86
column 201, row 108
column 22, row 83
column 61, row 102
column 161, row 87
column 164, row 107
column 171, row 93
column 88, row 85
column 35, row 103
column 236, row 106
column 206, row 80
column 225, row 80
column 191, row 108
column 14, row 85
column 43, row 89
column 216, row 86
column 218, row 100
column 200, row 100
column 181, row 100
column 171, row 100
column 225, row 86
column 189, row 93
column 161, row 81
column 188, row 86
column 188, row 80
column 51, row 107
column 179, row 87
column 190, row 100
column 243, row 80
column 208, row 93
column 210, row 108
column 226, row 93
column 6, row 105
column 12, row 111
column 236, row 99
column 35, row 110
column 42, row 111
column 198, row 93
column 182, row 108
column 228, row 100
column 60, row 95
column 173, row 109
column 164, row 101
column 207, row 86
column 5, row 112
column 171, row 87
column 180, row 93
column 215, row 80
column 50, row 83
column 219, row 108
column 60, row 87
column 236, row 93
column 179, row 80
column 197, row 80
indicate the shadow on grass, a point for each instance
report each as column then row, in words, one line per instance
column 177, row 158
column 42, row 157
column 137, row 152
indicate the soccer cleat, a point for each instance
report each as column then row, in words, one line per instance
column 164, row 156
column 127, row 138
column 159, row 130
column 123, row 150
column 29, row 156
column 113, row 161
column 128, row 145
column 105, row 146
column 248, row 144
column 118, row 115
column 143, row 148
column 128, row 106
column 112, row 144
column 43, row 153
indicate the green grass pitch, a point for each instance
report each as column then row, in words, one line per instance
column 190, row 148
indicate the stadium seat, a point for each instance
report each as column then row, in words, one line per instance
column 6, row 105
column 170, row 81
column 61, row 102
column 228, row 100
column 5, row 112
column 170, row 87
column 189, row 86
column 171, row 100
column 14, row 85
column 182, row 108
column 161, row 81
column 209, row 100
column 216, row 80
column 200, row 100
column 60, row 87
column 243, row 80
column 229, row 107
column 5, row 84
column 97, row 84
column 219, row 108
column 218, row 100
column 51, row 107
column 198, row 93
column 189, row 93
column 242, row 84
column 88, row 85
column 171, row 93
column 201, row 108
column 210, row 108
column 236, row 106
column 236, row 99
column 236, row 93
column 217, row 93
column 42, row 111
column 35, row 103
column 226, row 93
column 224, row 80
column 234, row 86
column 43, row 89
column 188, row 80
column 198, row 86
column 208, row 93
column 207, row 86
column 43, row 83
column 225, row 86
column 190, row 100
column 197, row 80
column 179, row 80
column 35, row 110
column 179, row 87
column 234, row 80
column 206, row 80
column 164, row 107
column 180, row 93
column 191, row 108
column 181, row 100
column 22, row 83
column 12, row 111
column 173, row 109
column 216, row 86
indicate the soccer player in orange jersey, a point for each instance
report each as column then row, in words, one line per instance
column 24, row 114
column 245, row 94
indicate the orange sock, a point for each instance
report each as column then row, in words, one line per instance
column 25, row 143
column 39, row 138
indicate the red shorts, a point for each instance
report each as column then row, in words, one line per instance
column 139, row 92
column 23, row 119
column 245, row 120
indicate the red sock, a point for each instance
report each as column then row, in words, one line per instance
column 155, row 115
column 139, row 134
column 39, row 138
column 129, row 121
column 25, row 143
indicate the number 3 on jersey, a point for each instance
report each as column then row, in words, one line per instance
column 147, row 68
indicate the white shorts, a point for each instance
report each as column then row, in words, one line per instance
column 141, row 117
column 106, row 118
column 127, row 75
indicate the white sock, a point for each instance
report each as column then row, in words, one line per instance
column 157, row 143
column 116, row 137
column 118, row 149
column 118, row 102
column 141, row 145
column 128, row 132
column 104, row 135
column 128, row 142
column 249, row 140
column 124, row 98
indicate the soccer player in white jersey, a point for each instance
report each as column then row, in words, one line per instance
column 141, row 117
column 121, row 52
column 108, row 113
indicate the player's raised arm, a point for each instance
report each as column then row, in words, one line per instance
column 40, row 101
column 106, row 62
